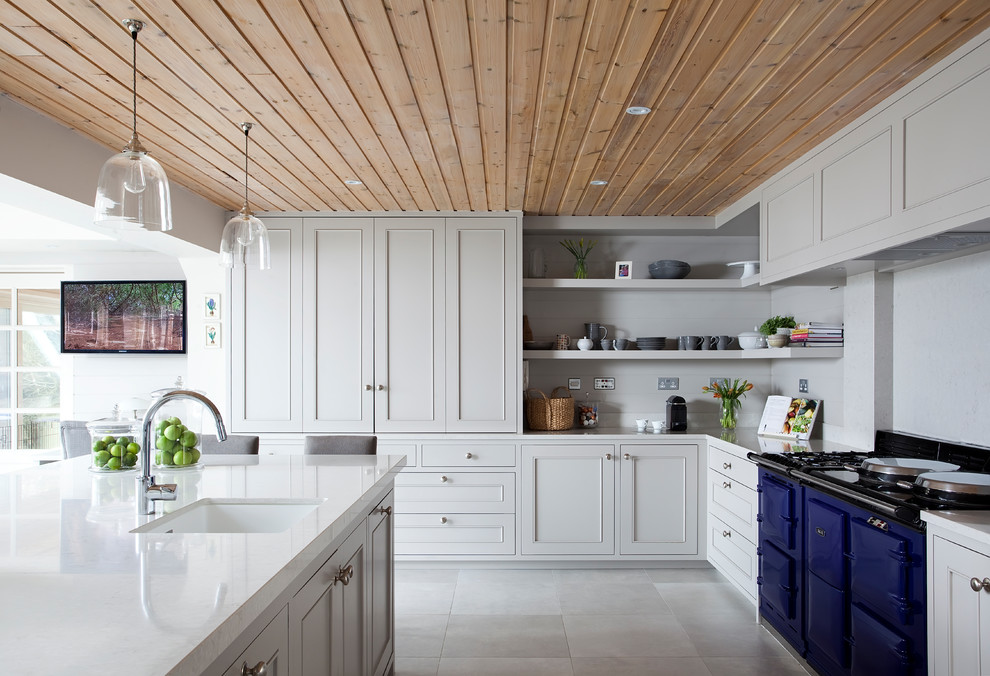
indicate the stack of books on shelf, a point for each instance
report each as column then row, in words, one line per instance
column 817, row 334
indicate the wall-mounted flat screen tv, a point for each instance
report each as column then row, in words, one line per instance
column 128, row 316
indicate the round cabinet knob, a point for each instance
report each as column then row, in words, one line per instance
column 367, row 388
column 381, row 388
column 468, row 456
column 260, row 669
column 387, row 511
column 608, row 456
column 443, row 519
column 726, row 465
column 726, row 484
column 980, row 585
column 626, row 456
column 726, row 534
column 443, row 478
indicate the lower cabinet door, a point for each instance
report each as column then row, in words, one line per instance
column 658, row 500
column 268, row 651
column 732, row 554
column 325, row 639
column 568, row 499
column 381, row 623
column 778, row 580
column 826, row 626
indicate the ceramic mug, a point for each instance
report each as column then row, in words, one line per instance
column 563, row 341
column 607, row 344
column 724, row 342
column 621, row 343
column 641, row 424
column 658, row 426
column 709, row 342
column 688, row 342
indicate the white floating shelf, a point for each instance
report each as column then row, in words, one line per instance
column 643, row 284
column 766, row 353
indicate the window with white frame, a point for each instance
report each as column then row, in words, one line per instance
column 30, row 365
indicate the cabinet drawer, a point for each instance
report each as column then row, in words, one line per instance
column 455, row 533
column 469, row 455
column 736, row 468
column 733, row 555
column 733, row 503
column 433, row 492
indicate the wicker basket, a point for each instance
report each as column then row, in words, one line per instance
column 553, row 413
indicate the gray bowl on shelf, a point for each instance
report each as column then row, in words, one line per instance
column 668, row 269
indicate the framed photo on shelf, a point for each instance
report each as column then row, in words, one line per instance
column 623, row 269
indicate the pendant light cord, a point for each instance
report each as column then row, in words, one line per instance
column 134, row 33
column 246, row 126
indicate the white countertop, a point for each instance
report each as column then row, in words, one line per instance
column 972, row 524
column 78, row 588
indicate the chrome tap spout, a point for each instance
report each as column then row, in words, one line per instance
column 148, row 490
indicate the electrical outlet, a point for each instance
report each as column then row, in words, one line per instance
column 574, row 383
column 668, row 383
column 712, row 382
column 803, row 385
column 604, row 383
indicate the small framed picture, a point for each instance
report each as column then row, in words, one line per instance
column 623, row 269
column 211, row 306
column 211, row 335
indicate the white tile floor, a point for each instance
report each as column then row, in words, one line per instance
column 616, row 622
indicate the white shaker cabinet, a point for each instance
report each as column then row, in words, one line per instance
column 568, row 499
column 959, row 606
column 409, row 325
column 265, row 336
column 658, row 498
column 378, row 325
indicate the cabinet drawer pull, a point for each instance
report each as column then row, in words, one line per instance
column 387, row 511
column 726, row 484
column 627, row 456
column 980, row 585
column 608, row 456
column 727, row 534
column 443, row 478
column 443, row 519
column 381, row 388
column 367, row 388
column 260, row 669
column 726, row 465
column 468, row 456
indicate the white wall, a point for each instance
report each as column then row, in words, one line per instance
column 941, row 365
column 824, row 376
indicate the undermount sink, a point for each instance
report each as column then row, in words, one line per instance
column 233, row 515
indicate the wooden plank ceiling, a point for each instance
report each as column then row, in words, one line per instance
column 474, row 105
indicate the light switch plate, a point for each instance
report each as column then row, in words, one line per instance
column 668, row 383
column 604, row 383
column 803, row 385
column 574, row 383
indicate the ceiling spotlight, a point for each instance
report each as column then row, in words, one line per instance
column 599, row 182
column 638, row 110
column 352, row 181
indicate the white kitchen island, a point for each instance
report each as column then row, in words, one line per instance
column 80, row 592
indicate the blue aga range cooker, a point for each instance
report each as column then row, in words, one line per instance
column 842, row 548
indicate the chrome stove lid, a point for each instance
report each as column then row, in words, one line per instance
column 892, row 469
column 967, row 484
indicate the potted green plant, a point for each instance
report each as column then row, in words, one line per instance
column 770, row 326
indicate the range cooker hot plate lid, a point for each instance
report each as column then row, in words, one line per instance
column 905, row 467
column 960, row 483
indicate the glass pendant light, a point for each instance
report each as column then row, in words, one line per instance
column 245, row 238
column 132, row 192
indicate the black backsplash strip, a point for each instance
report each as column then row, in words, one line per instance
column 969, row 458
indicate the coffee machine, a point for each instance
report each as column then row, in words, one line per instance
column 676, row 414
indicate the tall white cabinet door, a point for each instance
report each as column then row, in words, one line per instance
column 265, row 337
column 960, row 616
column 658, row 499
column 409, row 325
column 482, row 334
column 568, row 499
column 339, row 324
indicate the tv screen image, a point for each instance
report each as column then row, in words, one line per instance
column 125, row 316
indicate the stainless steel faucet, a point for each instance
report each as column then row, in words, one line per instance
column 148, row 491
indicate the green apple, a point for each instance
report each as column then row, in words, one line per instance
column 133, row 447
column 113, row 463
column 172, row 432
column 100, row 458
column 167, row 458
column 116, row 450
column 188, row 439
column 195, row 455
column 99, row 445
column 109, row 440
column 128, row 459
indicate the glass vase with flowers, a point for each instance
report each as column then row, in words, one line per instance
column 728, row 396
column 580, row 253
